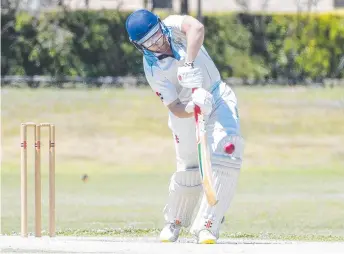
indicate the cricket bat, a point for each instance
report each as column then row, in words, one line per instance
column 204, row 156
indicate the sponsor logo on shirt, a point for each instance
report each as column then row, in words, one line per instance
column 160, row 96
column 176, row 138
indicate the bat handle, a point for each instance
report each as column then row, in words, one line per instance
column 197, row 109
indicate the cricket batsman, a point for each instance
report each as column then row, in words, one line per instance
column 175, row 61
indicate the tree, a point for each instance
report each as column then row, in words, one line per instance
column 184, row 7
column 244, row 4
column 306, row 5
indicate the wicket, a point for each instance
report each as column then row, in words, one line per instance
column 38, row 195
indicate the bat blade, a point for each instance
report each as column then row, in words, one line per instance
column 204, row 159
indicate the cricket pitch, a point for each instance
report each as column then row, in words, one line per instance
column 144, row 245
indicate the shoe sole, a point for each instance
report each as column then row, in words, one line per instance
column 166, row 241
column 208, row 241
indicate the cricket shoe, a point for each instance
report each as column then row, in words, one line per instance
column 206, row 237
column 170, row 233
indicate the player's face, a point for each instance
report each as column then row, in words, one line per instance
column 157, row 42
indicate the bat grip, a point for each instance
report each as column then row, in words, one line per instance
column 197, row 109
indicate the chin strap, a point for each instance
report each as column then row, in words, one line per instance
column 163, row 56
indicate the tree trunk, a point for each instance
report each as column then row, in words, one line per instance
column 184, row 7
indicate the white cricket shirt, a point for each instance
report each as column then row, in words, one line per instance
column 163, row 77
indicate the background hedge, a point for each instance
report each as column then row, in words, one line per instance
column 94, row 43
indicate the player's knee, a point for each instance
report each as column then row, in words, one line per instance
column 228, row 153
column 231, row 145
column 185, row 180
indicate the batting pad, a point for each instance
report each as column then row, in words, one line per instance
column 226, row 170
column 184, row 192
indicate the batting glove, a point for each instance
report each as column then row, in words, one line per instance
column 190, row 76
column 201, row 98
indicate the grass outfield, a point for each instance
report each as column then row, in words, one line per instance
column 291, row 186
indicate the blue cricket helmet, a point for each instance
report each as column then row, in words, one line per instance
column 139, row 23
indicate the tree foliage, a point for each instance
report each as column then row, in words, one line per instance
column 94, row 43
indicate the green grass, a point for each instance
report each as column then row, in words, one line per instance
column 291, row 185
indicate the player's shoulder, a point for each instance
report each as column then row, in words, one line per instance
column 151, row 71
column 147, row 68
column 174, row 20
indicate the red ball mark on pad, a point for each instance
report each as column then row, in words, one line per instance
column 179, row 77
column 229, row 148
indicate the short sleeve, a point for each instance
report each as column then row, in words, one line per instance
column 162, row 87
column 174, row 21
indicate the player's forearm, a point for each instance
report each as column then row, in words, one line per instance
column 195, row 38
column 178, row 109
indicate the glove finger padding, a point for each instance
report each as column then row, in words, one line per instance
column 203, row 99
column 190, row 107
column 190, row 77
